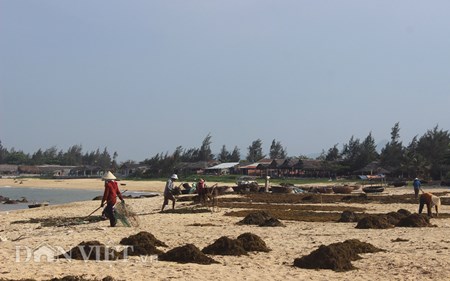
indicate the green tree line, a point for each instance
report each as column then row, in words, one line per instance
column 74, row 156
column 427, row 156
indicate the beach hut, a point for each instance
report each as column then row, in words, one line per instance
column 223, row 168
column 10, row 170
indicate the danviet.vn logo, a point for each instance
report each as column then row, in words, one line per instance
column 85, row 252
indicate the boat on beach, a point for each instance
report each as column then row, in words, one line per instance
column 37, row 205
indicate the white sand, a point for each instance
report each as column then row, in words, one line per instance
column 425, row 256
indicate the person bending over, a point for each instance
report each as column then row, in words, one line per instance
column 431, row 201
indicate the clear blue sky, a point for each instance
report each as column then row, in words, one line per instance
column 142, row 77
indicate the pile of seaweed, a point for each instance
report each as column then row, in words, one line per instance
column 91, row 250
column 349, row 216
column 246, row 242
column 336, row 256
column 253, row 243
column 143, row 243
column 414, row 220
column 188, row 253
column 261, row 218
column 401, row 218
column 374, row 222
column 225, row 246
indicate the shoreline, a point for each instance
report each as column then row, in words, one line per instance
column 86, row 184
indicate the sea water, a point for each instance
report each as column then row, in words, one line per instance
column 53, row 196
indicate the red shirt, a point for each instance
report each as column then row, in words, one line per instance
column 111, row 192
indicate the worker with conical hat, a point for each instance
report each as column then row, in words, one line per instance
column 110, row 197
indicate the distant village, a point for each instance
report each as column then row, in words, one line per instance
column 275, row 168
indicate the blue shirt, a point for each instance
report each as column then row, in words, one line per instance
column 416, row 183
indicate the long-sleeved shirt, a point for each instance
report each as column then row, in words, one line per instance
column 169, row 187
column 111, row 192
column 430, row 200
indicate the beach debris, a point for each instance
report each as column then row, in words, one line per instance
column 188, row 253
column 415, row 220
column 336, row 256
column 225, row 246
column 143, row 243
column 91, row 250
column 253, row 243
column 260, row 218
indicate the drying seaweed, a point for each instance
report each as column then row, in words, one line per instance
column 253, row 243
column 188, row 253
column 414, row 220
column 143, row 243
column 336, row 256
column 299, row 198
column 349, row 216
column 91, row 250
column 374, row 221
column 61, row 221
column 187, row 211
column 225, row 246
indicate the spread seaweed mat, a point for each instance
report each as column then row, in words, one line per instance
column 125, row 214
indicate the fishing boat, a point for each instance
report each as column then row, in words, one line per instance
column 37, row 205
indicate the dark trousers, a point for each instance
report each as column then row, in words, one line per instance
column 416, row 192
column 421, row 204
column 109, row 211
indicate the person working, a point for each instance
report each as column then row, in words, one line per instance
column 168, row 192
column 109, row 196
column 430, row 200
column 202, row 191
column 416, row 184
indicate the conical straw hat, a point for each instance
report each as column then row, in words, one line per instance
column 108, row 176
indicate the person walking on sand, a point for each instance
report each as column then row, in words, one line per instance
column 168, row 192
column 416, row 184
column 202, row 191
column 431, row 201
column 109, row 196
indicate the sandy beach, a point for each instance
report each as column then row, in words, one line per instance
column 90, row 184
column 410, row 253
